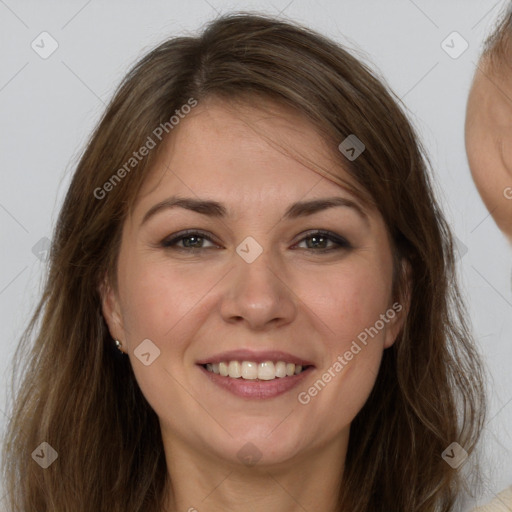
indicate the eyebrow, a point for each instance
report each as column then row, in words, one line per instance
column 215, row 209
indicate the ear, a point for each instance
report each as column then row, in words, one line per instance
column 399, row 309
column 111, row 310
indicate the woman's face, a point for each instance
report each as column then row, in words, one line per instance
column 252, row 279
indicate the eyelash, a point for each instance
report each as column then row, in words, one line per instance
column 170, row 243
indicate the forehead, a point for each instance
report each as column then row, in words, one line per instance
column 242, row 150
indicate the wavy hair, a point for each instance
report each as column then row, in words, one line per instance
column 74, row 390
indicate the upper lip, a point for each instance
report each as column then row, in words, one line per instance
column 256, row 356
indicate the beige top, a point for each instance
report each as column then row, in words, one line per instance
column 502, row 503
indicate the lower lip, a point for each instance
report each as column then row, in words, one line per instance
column 257, row 389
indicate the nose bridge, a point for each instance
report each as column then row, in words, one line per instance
column 254, row 272
column 256, row 291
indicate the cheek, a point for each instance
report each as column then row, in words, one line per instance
column 159, row 299
column 350, row 304
column 161, row 304
column 352, row 300
column 353, row 343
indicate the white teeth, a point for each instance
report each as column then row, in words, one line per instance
column 249, row 370
column 235, row 369
column 267, row 370
column 223, row 369
column 280, row 369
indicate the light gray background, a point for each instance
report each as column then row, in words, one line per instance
column 49, row 107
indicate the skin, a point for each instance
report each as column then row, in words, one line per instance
column 488, row 132
column 194, row 305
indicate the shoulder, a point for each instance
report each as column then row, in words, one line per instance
column 502, row 503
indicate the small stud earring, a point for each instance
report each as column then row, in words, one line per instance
column 119, row 345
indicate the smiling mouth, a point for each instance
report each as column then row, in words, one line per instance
column 250, row 370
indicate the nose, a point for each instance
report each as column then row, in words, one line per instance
column 258, row 294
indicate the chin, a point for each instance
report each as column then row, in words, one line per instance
column 261, row 444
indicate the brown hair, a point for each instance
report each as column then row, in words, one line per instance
column 80, row 395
